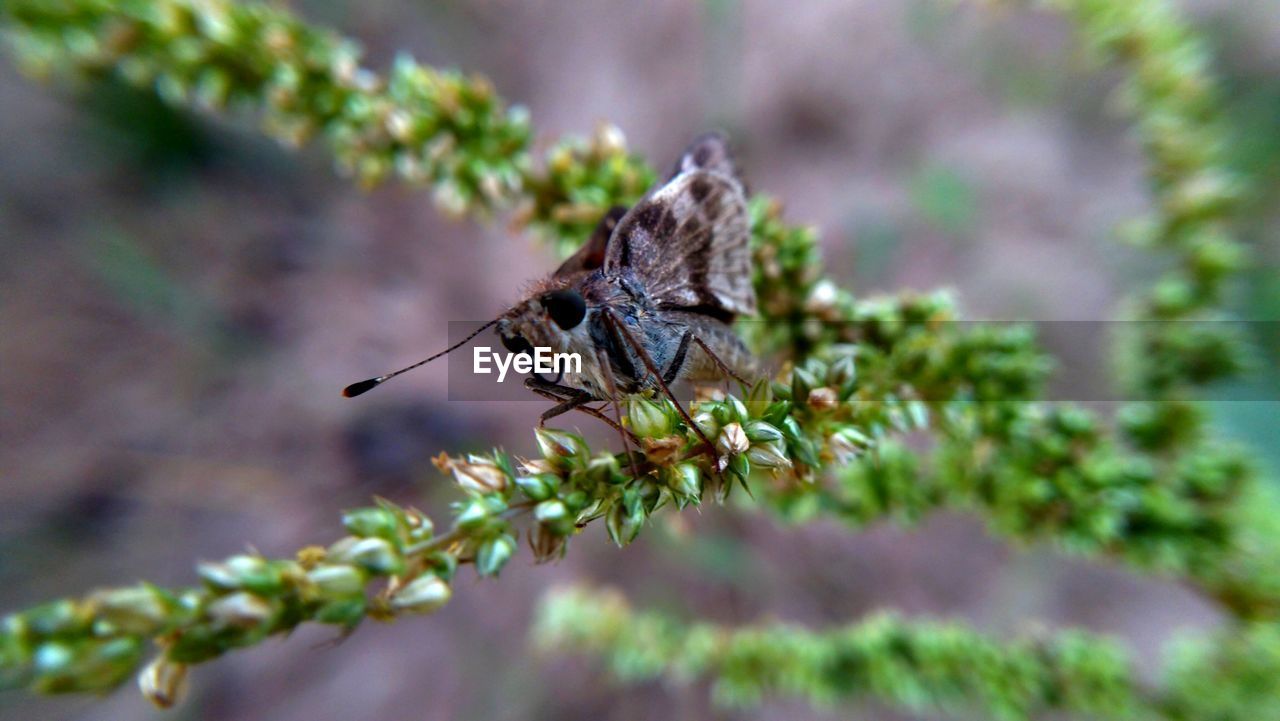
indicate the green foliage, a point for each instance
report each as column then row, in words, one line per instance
column 1153, row 490
column 94, row 643
column 916, row 665
column 1173, row 97
column 1230, row 676
column 582, row 180
column 922, row 665
column 419, row 123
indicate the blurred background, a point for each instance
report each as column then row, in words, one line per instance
column 182, row 301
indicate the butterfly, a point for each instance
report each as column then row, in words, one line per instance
column 648, row 300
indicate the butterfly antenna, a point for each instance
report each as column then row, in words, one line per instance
column 365, row 386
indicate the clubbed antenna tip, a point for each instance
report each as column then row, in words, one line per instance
column 356, row 389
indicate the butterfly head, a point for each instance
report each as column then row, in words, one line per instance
column 553, row 318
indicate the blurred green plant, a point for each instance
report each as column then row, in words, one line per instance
column 916, row 665
column 921, row 665
column 1154, row 489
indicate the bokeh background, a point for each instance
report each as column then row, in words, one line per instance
column 181, row 300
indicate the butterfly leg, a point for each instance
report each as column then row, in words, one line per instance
column 682, row 351
column 677, row 363
column 603, row 360
column 725, row 369
column 673, row 371
column 621, row 331
column 567, row 399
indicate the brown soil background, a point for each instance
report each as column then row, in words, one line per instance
column 182, row 301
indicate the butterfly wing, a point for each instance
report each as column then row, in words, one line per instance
column 688, row 240
column 591, row 255
column 709, row 151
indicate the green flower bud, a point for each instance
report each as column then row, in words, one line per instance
column 493, row 554
column 423, row 594
column 769, row 455
column 804, row 450
column 239, row 610
column 648, row 419
column 843, row 375
column 109, row 662
column 375, row 555
column 141, row 610
column 623, row 524
column 253, row 573
column 337, row 580
column 760, row 395
column 369, row 522
column 738, row 465
column 847, row 444
column 539, row 487
column 707, row 423
column 536, row 466
column 473, row 515
column 719, row 410
column 550, row 511
column 479, row 476
column 558, row 446
column 1216, row 256
column 776, row 412
column 53, row 658
column 198, row 643
column 1200, row 193
column 554, row 515
column 341, row 548
column 444, row 564
column 802, row 381
column 575, row 501
column 649, row 494
column 605, row 468
column 761, row 432
column 218, row 575
column 685, row 482
column 342, row 612
column 163, row 682
column 584, row 513
column 254, row 570
column 56, row 618
column 420, row 527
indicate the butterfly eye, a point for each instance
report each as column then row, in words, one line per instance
column 566, row 307
column 517, row 344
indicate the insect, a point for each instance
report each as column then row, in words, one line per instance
column 648, row 300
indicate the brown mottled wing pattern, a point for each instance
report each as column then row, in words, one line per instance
column 688, row 241
column 709, row 151
column 591, row 255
